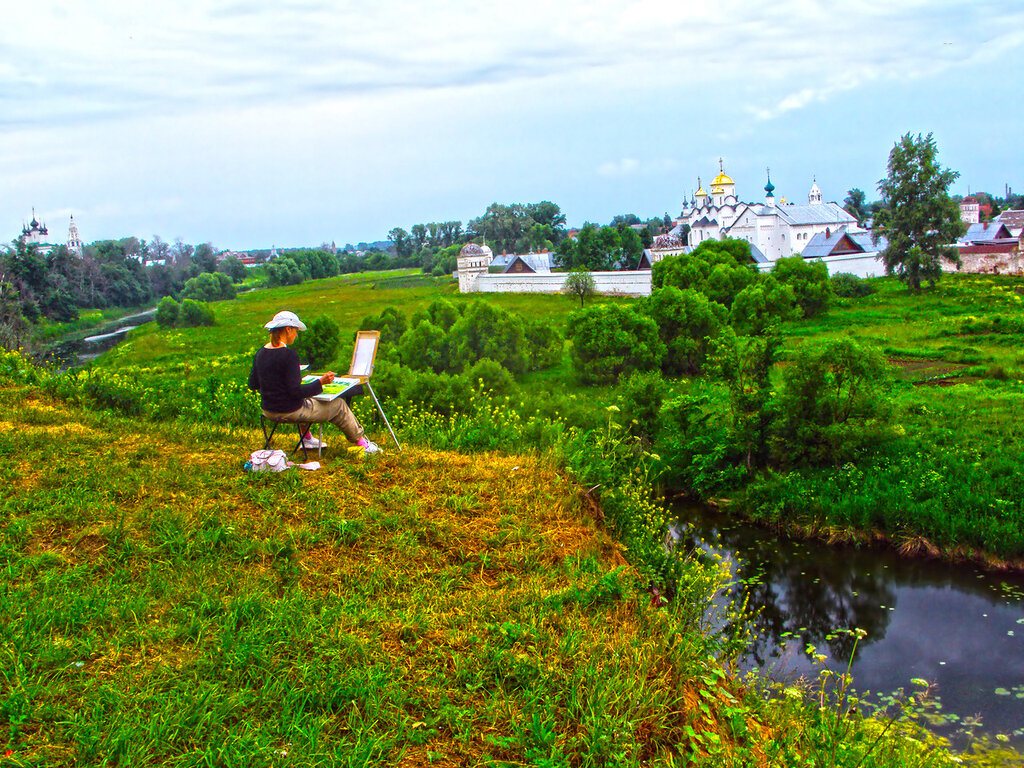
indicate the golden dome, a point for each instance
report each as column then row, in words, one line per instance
column 721, row 180
column 717, row 189
column 700, row 189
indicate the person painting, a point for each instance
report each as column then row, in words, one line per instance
column 283, row 397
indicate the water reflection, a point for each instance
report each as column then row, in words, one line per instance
column 951, row 625
column 72, row 352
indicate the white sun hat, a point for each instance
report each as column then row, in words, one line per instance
column 285, row 319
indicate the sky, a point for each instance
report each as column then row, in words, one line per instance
column 252, row 124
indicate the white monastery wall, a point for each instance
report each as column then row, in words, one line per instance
column 631, row 283
column 859, row 264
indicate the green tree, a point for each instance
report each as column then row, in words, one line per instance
column 167, row 312
column 833, row 405
column 402, row 242
column 855, row 206
column 318, row 344
column 579, row 282
column 234, row 269
column 194, row 313
column 209, row 286
column 205, row 257
column 609, row 340
column 488, row 331
column 687, row 321
column 919, row 219
column 809, row 281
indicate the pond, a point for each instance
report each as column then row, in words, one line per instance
column 956, row 626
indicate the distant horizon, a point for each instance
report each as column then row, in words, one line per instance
column 249, row 123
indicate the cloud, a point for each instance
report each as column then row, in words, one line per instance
column 628, row 166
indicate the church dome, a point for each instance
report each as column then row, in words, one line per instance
column 475, row 249
column 665, row 242
column 722, row 180
column 700, row 190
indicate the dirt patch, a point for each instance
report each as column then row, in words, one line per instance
column 929, row 372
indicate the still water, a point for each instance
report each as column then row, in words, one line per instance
column 79, row 351
column 957, row 627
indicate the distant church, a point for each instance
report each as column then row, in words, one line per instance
column 774, row 230
column 36, row 233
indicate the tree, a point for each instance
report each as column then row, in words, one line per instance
column 809, row 281
column 167, row 312
column 579, row 282
column 609, row 340
column 205, row 258
column 855, row 206
column 403, row 244
column 318, row 344
column 919, row 218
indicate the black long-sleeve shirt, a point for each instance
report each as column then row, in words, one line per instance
column 276, row 376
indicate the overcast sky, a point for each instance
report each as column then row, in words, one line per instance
column 251, row 123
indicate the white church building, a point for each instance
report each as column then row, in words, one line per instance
column 774, row 229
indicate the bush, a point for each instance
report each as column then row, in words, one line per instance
column 809, row 281
column 546, row 344
column 611, row 340
column 167, row 312
column 760, row 306
column 425, row 347
column 487, row 331
column 391, row 324
column 489, row 375
column 832, row 405
column 194, row 314
column 718, row 269
column 318, row 344
column 639, row 401
column 209, row 286
column 850, row 286
column 686, row 321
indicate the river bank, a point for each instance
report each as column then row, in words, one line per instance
column 959, row 627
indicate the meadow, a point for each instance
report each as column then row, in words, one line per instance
column 946, row 481
column 492, row 595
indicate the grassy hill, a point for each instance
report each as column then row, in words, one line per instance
column 163, row 607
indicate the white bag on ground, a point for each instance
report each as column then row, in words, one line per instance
column 268, row 461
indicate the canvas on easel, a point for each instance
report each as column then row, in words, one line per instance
column 363, row 354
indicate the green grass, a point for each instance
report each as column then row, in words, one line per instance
column 162, row 607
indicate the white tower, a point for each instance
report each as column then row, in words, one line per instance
column 473, row 260
column 814, row 196
column 74, row 240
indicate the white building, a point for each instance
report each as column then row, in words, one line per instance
column 35, row 233
column 473, row 260
column 774, row 230
column 74, row 239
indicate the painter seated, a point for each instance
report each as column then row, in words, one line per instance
column 276, row 375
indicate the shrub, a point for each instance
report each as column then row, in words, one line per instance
column 809, row 281
column 719, row 270
column 850, row 286
column 209, row 286
column 686, row 321
column 487, row 331
column 425, row 347
column 761, row 306
column 610, row 340
column 489, row 374
column 194, row 313
column 545, row 342
column 318, row 344
column 167, row 312
column 832, row 405
column 639, row 401
column 391, row 324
